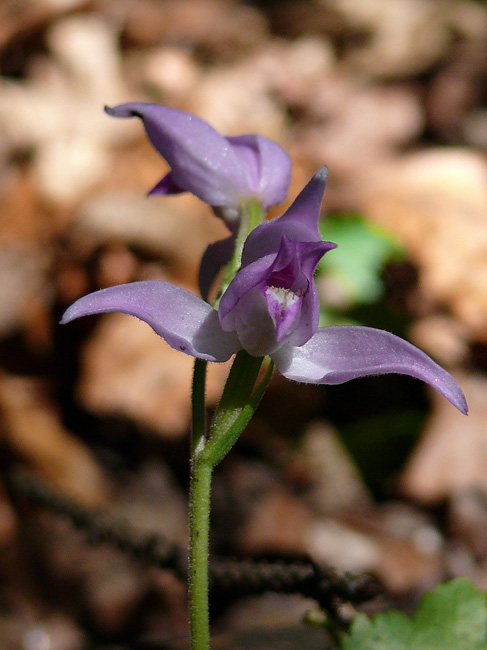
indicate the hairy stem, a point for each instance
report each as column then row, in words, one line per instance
column 252, row 216
column 237, row 405
column 227, row 428
column 199, row 529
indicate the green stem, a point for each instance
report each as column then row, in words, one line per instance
column 228, row 429
column 237, row 405
column 239, row 386
column 239, row 401
column 199, row 529
column 252, row 216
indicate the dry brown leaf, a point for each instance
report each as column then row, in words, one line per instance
column 177, row 229
column 356, row 126
column 170, row 70
column 221, row 28
column 407, row 36
column 128, row 370
column 436, row 203
column 237, row 98
column 23, row 282
column 21, row 18
column 335, row 483
column 8, row 521
column 451, row 457
column 275, row 520
column 32, row 429
column 401, row 548
column 443, row 337
column 454, row 97
column 58, row 110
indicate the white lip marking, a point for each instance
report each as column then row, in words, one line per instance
column 285, row 298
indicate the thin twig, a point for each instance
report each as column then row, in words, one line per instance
column 238, row 577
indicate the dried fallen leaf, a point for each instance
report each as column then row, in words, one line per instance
column 335, row 484
column 357, row 126
column 436, row 203
column 32, row 429
column 452, row 455
column 57, row 111
column 128, row 370
column 401, row 548
column 155, row 226
column 407, row 36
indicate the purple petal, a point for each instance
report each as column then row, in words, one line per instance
column 223, row 172
column 215, row 257
column 253, row 324
column 298, row 223
column 202, row 161
column 166, row 186
column 184, row 321
column 245, row 280
column 337, row 354
column 309, row 317
column 267, row 165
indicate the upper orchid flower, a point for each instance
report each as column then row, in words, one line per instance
column 271, row 308
column 225, row 172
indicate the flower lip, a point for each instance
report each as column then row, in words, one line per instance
column 283, row 306
column 275, row 295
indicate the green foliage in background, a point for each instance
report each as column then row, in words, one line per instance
column 364, row 251
column 452, row 617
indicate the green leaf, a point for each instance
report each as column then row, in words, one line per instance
column 452, row 617
column 356, row 265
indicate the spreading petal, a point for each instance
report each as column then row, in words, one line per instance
column 298, row 223
column 337, row 354
column 223, row 172
column 184, row 321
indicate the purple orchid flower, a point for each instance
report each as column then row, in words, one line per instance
column 225, row 172
column 271, row 308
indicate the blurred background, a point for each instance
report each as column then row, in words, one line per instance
column 378, row 475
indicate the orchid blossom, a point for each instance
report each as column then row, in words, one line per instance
column 271, row 308
column 224, row 172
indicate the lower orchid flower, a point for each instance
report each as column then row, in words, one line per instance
column 271, row 308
